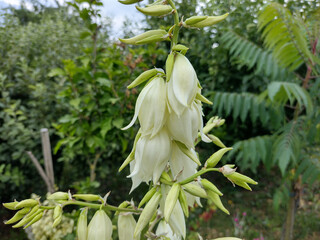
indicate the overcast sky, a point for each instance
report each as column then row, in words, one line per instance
column 111, row 8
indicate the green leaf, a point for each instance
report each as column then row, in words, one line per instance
column 105, row 127
column 56, row 72
column 118, row 123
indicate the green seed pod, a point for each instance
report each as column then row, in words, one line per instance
column 147, row 197
column 35, row 219
column 195, row 19
column 87, row 197
column 210, row 186
column 169, row 66
column 184, row 203
column 11, row 205
column 216, row 141
column 82, row 226
column 195, row 190
column 142, row 36
column 217, row 201
column 215, row 158
column 143, row 77
column 209, row 21
column 57, row 212
column 128, row 2
column 171, row 200
column 59, row 196
column 187, row 152
column 57, row 221
column 27, row 203
column 147, row 214
column 15, row 218
column 155, row 10
column 203, row 99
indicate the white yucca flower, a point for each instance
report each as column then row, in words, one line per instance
column 150, row 159
column 183, row 167
column 182, row 86
column 151, row 107
column 100, row 227
column 177, row 221
column 164, row 230
column 126, row 226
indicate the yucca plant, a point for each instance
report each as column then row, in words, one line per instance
column 288, row 107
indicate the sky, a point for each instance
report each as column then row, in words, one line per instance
column 111, row 8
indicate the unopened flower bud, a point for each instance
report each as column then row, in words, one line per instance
column 126, row 226
column 128, row 2
column 195, row 190
column 143, row 77
column 27, row 203
column 209, row 21
column 11, row 205
column 215, row 158
column 87, row 197
column 130, row 158
column 203, row 99
column 155, row 10
column 100, row 226
column 15, row 218
column 59, row 196
column 147, row 197
column 227, row 238
column 195, row 19
column 171, row 200
column 144, row 35
column 214, row 197
column 180, row 47
column 57, row 221
column 216, row 141
column 153, row 39
column 82, row 226
column 34, row 220
column 184, row 203
column 147, row 214
column 188, row 152
column 57, row 212
column 169, row 66
column 210, row 186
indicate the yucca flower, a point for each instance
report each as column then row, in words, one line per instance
column 151, row 107
column 182, row 86
column 100, row 227
column 151, row 157
column 126, row 226
column 165, row 230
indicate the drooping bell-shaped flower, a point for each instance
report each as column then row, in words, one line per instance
column 126, row 226
column 185, row 128
column 165, row 230
column 82, row 228
column 151, row 107
column 177, row 221
column 182, row 86
column 150, row 159
column 100, row 227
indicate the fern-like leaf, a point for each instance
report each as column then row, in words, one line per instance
column 254, row 57
column 282, row 92
column 284, row 35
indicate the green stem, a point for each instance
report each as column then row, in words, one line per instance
column 176, row 29
column 202, row 171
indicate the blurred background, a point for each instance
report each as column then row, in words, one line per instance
column 63, row 68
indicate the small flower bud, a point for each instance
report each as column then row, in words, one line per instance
column 188, row 152
column 215, row 158
column 180, row 47
column 59, row 196
column 15, row 218
column 34, row 220
column 142, row 36
column 184, row 203
column 127, row 2
column 87, row 197
column 143, row 77
column 147, row 197
column 169, row 66
column 100, row 226
column 11, row 205
column 57, row 212
column 57, row 221
column 210, row 186
column 209, row 21
column 195, row 19
column 155, row 10
column 153, row 39
column 27, row 219
column 130, row 158
column 216, row 140
column 203, row 99
column 27, row 203
column 171, row 200
column 195, row 190
column 217, row 201
column 147, row 214
column 82, row 226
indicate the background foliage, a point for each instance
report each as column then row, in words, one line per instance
column 60, row 69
